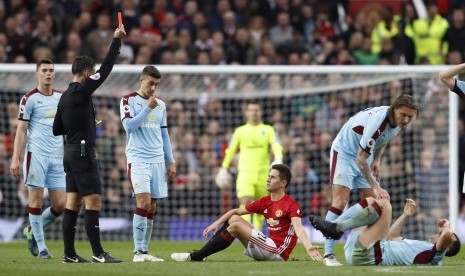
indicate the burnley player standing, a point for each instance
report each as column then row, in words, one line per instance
column 43, row 160
column 283, row 218
column 147, row 146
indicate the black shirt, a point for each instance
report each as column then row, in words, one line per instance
column 75, row 115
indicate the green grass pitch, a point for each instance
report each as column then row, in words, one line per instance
column 15, row 259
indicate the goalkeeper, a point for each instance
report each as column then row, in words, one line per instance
column 253, row 140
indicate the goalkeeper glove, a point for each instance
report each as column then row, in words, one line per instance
column 222, row 178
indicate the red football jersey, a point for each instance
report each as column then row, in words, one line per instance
column 278, row 216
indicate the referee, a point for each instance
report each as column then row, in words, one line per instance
column 75, row 118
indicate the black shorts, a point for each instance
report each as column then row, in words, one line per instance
column 82, row 173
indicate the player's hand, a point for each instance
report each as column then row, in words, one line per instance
column 410, row 207
column 15, row 168
column 171, row 171
column 376, row 170
column 443, row 224
column 152, row 102
column 313, row 252
column 381, row 193
column 222, row 178
column 211, row 228
column 120, row 32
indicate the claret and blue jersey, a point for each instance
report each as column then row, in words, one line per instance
column 145, row 144
column 368, row 129
column 39, row 111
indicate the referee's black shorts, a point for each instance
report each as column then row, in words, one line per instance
column 82, row 173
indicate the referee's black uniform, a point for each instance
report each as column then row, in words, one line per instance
column 75, row 118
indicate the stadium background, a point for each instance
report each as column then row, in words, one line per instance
column 203, row 109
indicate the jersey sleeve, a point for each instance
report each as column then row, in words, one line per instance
column 459, row 88
column 164, row 123
column 25, row 109
column 125, row 109
column 93, row 82
column 294, row 209
column 255, row 206
column 275, row 143
column 232, row 148
column 374, row 127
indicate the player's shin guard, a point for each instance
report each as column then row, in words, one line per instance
column 148, row 232
column 69, row 231
column 332, row 215
column 139, row 228
column 368, row 215
column 215, row 244
column 93, row 231
column 35, row 220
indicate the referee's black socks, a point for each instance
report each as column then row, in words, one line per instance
column 93, row 231
column 69, row 231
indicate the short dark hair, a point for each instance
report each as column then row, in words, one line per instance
column 405, row 100
column 82, row 63
column 454, row 248
column 43, row 61
column 151, row 71
column 284, row 172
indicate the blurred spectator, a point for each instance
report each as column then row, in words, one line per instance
column 365, row 55
column 282, row 32
column 100, row 37
column 257, row 28
column 427, row 34
column 385, row 29
column 455, row 34
column 241, row 50
column 229, row 25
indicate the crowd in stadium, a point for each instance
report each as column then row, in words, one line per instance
column 233, row 32
column 245, row 32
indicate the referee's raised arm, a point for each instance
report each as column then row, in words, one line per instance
column 75, row 118
column 91, row 83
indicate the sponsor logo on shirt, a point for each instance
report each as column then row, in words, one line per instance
column 272, row 222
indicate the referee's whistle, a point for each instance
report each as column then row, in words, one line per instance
column 83, row 148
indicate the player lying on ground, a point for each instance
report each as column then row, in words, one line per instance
column 377, row 242
column 283, row 217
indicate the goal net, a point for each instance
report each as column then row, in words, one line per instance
column 306, row 105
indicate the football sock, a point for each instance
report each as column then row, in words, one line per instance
column 139, row 228
column 35, row 220
column 69, row 231
column 49, row 216
column 215, row 244
column 367, row 216
column 352, row 211
column 148, row 232
column 332, row 215
column 93, row 231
